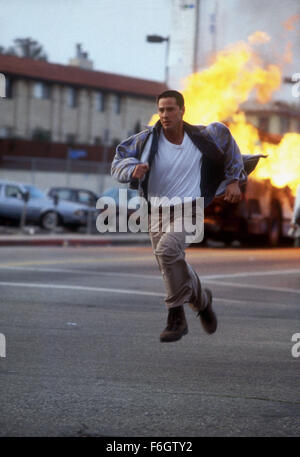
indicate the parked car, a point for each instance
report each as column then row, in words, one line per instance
column 72, row 194
column 40, row 209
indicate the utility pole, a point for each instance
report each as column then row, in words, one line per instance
column 213, row 28
column 196, row 36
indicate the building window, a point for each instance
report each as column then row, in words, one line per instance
column 70, row 138
column 9, row 87
column 284, row 124
column 263, row 123
column 137, row 127
column 100, row 101
column 117, row 104
column 115, row 142
column 71, row 97
column 41, row 90
column 97, row 140
column 5, row 132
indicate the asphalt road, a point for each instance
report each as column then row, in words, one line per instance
column 83, row 356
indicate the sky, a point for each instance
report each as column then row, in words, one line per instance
column 111, row 31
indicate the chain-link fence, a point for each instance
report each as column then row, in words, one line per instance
column 62, row 165
column 45, row 173
column 84, row 173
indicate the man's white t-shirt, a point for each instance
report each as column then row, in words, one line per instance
column 175, row 171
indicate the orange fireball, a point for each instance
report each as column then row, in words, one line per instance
column 217, row 93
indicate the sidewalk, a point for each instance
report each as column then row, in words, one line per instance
column 36, row 238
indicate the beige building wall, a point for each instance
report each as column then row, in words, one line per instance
column 294, row 125
column 39, row 112
column 274, row 124
column 68, row 117
column 55, row 116
column 20, row 101
column 98, row 120
column 140, row 110
column 7, row 107
column 252, row 119
column 114, row 120
column 24, row 113
column 83, row 116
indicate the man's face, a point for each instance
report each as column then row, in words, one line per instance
column 169, row 113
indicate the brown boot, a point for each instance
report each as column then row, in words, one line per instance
column 207, row 316
column 176, row 325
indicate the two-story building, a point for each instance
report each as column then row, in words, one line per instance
column 54, row 114
column 69, row 104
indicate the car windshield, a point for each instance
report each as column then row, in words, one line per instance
column 34, row 192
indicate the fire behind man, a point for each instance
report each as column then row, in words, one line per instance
column 176, row 159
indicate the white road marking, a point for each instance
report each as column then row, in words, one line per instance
column 246, row 274
column 108, row 290
column 83, row 288
column 80, row 260
column 86, row 272
column 208, row 278
column 254, row 286
column 150, row 276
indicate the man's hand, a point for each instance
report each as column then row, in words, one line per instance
column 140, row 170
column 233, row 193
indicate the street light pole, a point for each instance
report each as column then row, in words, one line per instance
column 196, row 37
column 167, row 58
column 161, row 39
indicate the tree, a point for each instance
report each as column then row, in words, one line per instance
column 30, row 48
column 25, row 47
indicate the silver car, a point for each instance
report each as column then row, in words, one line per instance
column 40, row 209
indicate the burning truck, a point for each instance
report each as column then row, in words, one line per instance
column 265, row 211
column 266, row 208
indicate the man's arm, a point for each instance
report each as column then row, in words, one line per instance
column 140, row 171
column 123, row 166
column 126, row 158
column 233, row 192
column 233, row 163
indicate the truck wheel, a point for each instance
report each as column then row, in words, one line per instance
column 49, row 220
column 275, row 232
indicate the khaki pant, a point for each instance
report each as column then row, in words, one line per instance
column 181, row 281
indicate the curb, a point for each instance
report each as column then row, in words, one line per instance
column 16, row 240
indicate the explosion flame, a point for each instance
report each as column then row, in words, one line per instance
column 217, row 93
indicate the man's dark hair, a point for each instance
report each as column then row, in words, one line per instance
column 172, row 93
